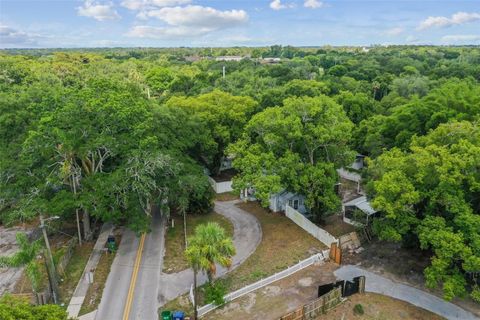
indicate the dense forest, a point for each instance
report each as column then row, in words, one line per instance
column 107, row 133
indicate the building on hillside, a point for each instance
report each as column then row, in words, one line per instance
column 193, row 58
column 280, row 200
column 229, row 58
column 270, row 60
column 358, row 211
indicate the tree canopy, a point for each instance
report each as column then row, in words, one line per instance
column 432, row 191
column 109, row 133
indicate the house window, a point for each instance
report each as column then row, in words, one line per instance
column 295, row 204
column 290, row 203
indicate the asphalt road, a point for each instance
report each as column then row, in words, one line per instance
column 145, row 301
column 378, row 284
column 118, row 282
column 144, row 304
column 153, row 288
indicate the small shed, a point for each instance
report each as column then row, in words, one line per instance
column 279, row 201
column 359, row 162
column 358, row 211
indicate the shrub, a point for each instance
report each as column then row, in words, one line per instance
column 358, row 310
column 214, row 293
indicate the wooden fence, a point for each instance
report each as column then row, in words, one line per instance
column 37, row 298
column 315, row 308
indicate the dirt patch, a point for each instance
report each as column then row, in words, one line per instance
column 378, row 307
column 305, row 282
column 227, row 196
column 336, row 226
column 174, row 259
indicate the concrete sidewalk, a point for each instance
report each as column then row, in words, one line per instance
column 378, row 284
column 82, row 286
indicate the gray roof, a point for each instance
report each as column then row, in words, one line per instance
column 362, row 204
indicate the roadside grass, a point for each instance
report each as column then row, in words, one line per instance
column 74, row 271
column 174, row 259
column 283, row 244
column 95, row 290
column 181, row 303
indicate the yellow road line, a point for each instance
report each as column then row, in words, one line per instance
column 133, row 281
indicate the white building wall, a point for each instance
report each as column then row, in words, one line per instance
column 221, row 187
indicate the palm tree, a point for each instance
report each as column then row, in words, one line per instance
column 208, row 246
column 27, row 257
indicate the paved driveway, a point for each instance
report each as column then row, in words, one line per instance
column 378, row 284
column 247, row 235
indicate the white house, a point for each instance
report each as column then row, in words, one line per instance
column 359, row 204
column 279, row 201
column 229, row 58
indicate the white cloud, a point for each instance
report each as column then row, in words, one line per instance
column 461, row 38
column 393, row 31
column 151, row 4
column 98, row 11
column 278, row 5
column 456, row 19
column 12, row 38
column 314, row 4
column 189, row 21
column 198, row 16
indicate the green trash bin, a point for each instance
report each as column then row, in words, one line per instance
column 166, row 315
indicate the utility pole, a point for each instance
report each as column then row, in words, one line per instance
column 74, row 180
column 51, row 268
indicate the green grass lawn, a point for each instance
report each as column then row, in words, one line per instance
column 174, row 260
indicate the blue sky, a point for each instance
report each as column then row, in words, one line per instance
column 166, row 23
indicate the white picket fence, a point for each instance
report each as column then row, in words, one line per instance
column 264, row 282
column 320, row 234
column 221, row 187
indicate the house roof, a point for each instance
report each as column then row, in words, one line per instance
column 362, row 204
column 285, row 195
